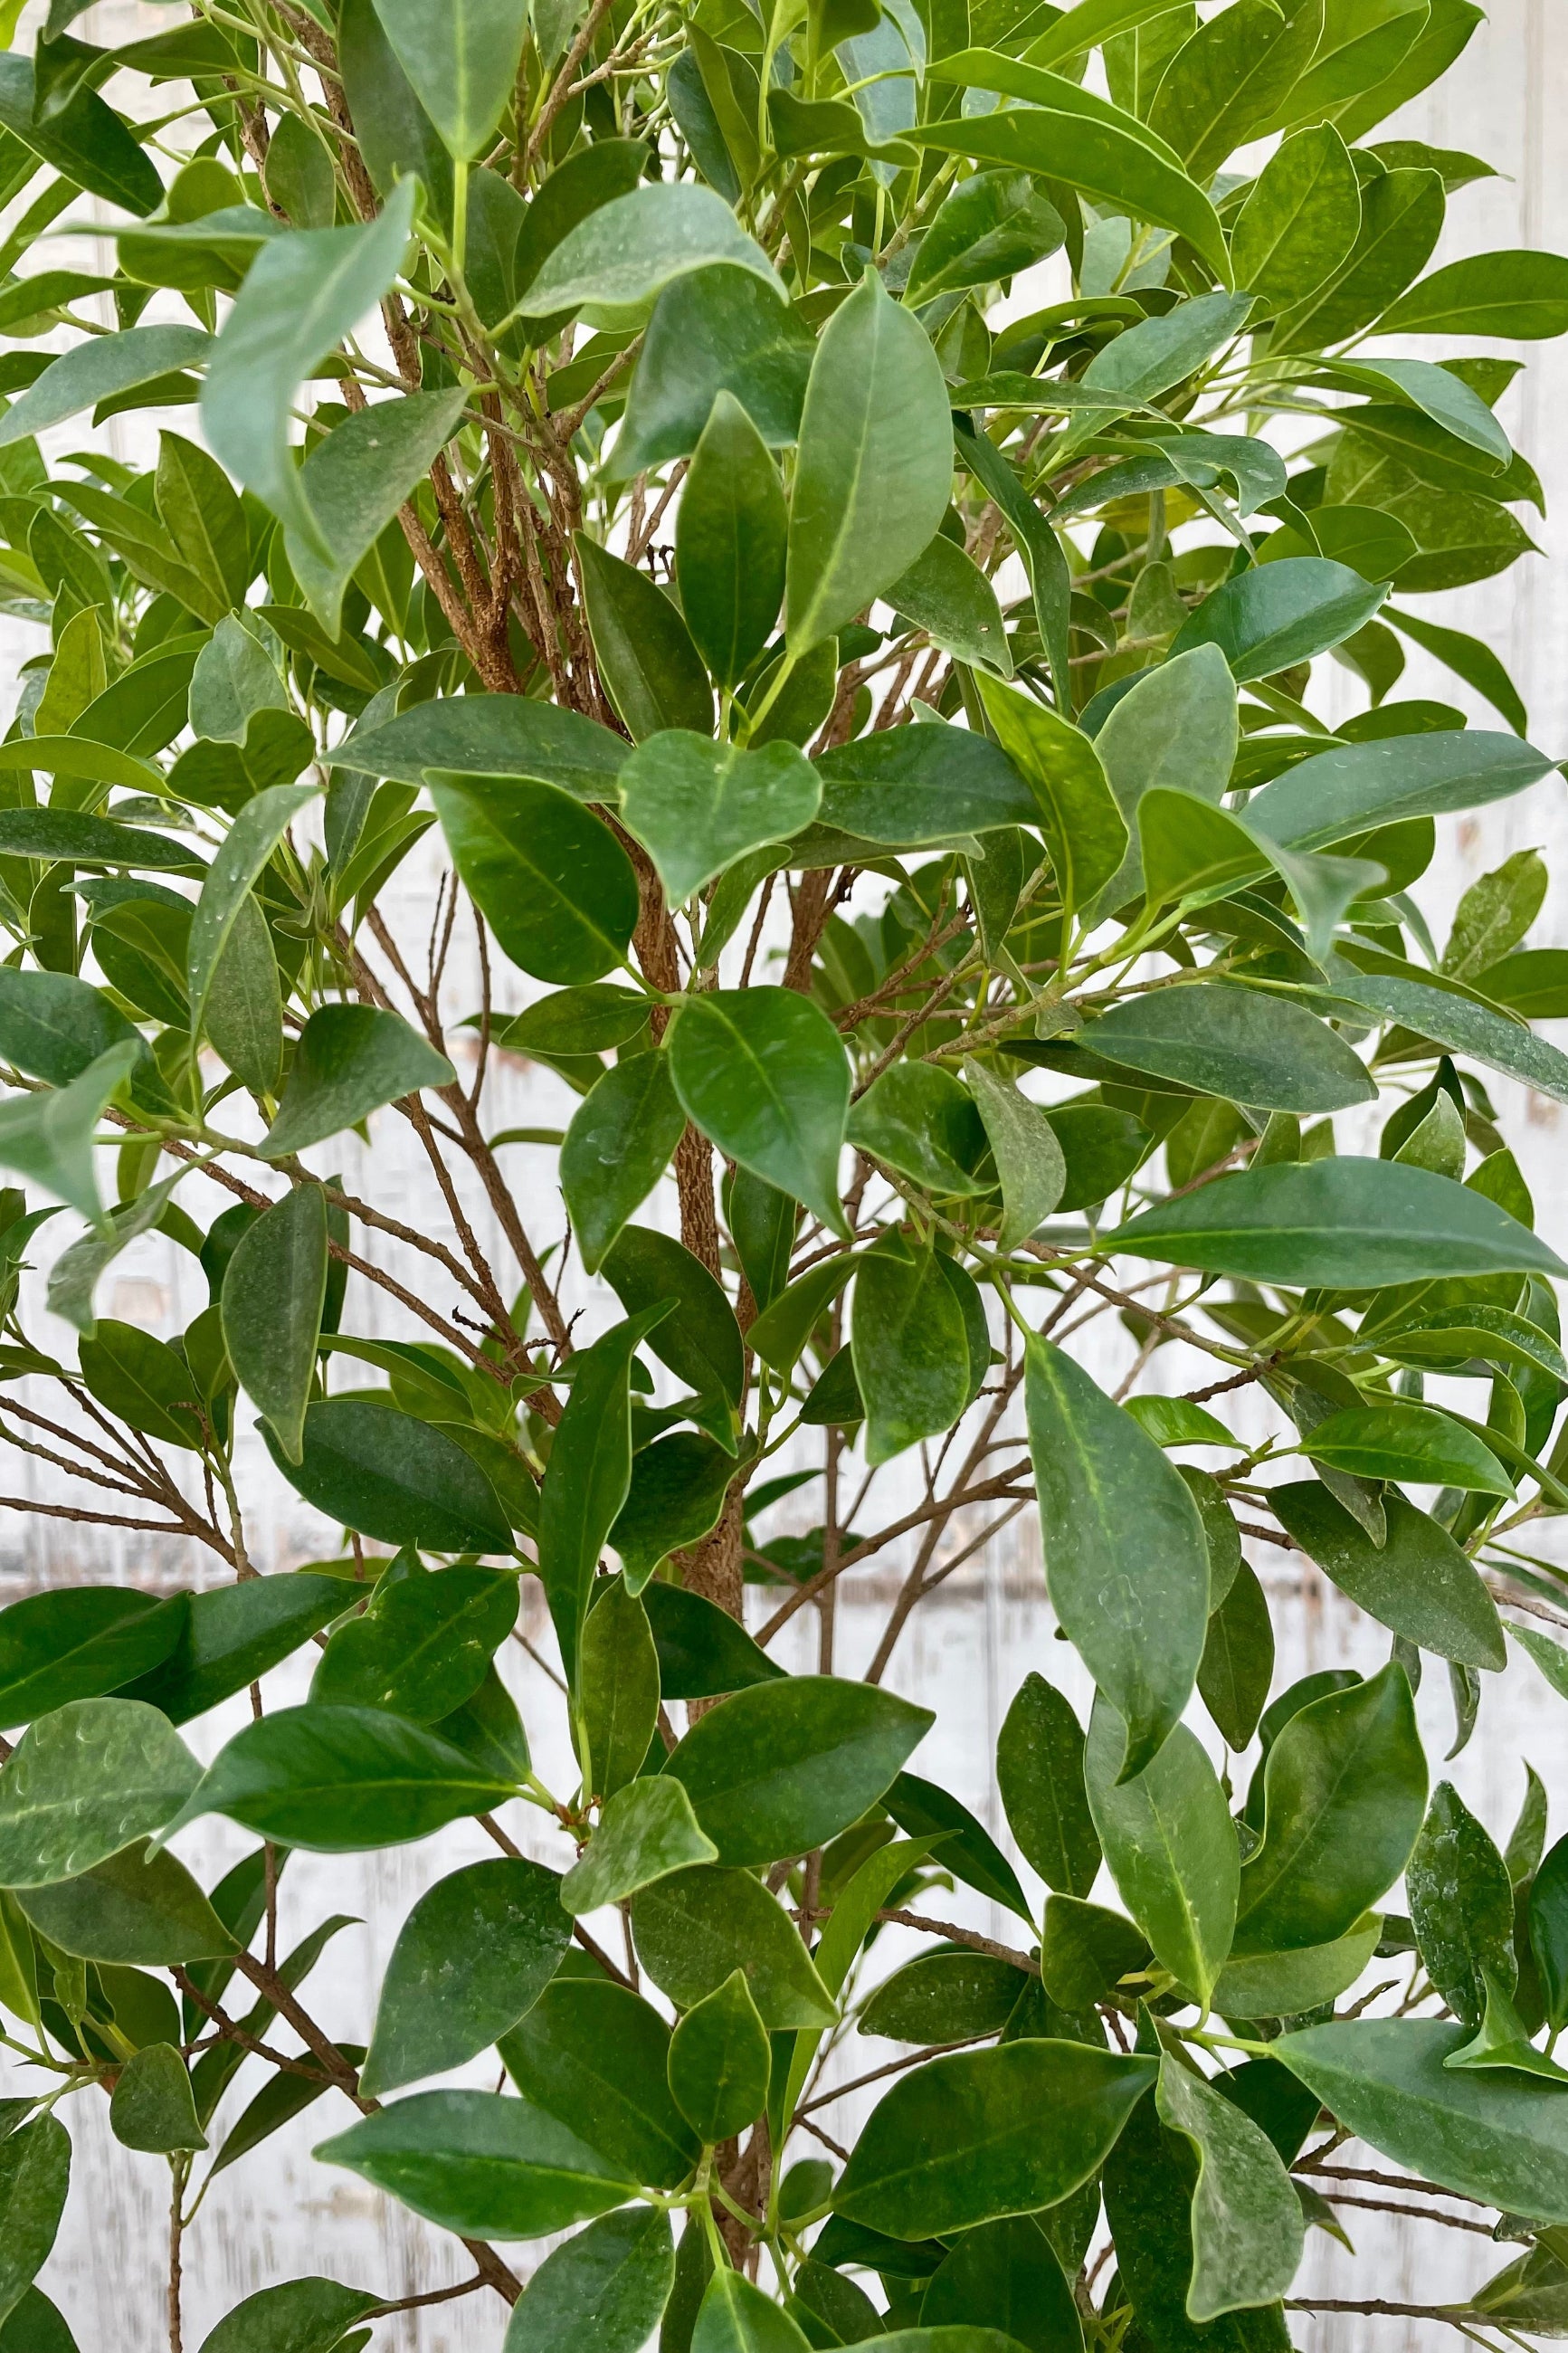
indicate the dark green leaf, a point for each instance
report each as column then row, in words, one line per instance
column 719, row 329
column 1234, row 1042
column 490, row 735
column 143, row 1912
column 1003, row 2276
column 784, row 1767
column 700, row 1341
column 618, row 1690
column 677, row 1493
column 273, row 1294
column 152, row 2106
column 1170, row 1846
column 1039, row 1773
column 230, row 1636
column 695, row 1926
column 422, row 1647
column 944, row 1997
column 586, row 1480
column 719, row 2062
column 761, row 1072
column 35, row 2174
column 473, row 2162
column 79, row 1642
column 652, row 670
column 1237, row 1664
column 302, row 2316
column 594, row 2056
column 1246, row 2221
column 730, row 539
column 395, row 1478
column 911, row 1347
column 607, row 2288
column 617, row 1148
column 702, row 1652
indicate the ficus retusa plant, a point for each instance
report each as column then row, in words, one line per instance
column 869, row 737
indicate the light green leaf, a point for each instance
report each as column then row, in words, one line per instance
column 1301, row 219
column 763, row 1073
column 34, row 2175
column 1084, row 829
column 1286, row 1985
column 273, row 1295
column 135, row 1910
column 719, row 2062
column 730, row 539
column 355, row 480
column 736, row 2316
column 1280, row 614
column 99, row 369
column 239, row 863
column 1178, row 726
column 867, row 501
column 646, row 1830
column 1246, row 2219
column 304, row 293
column 945, row 593
column 90, row 1778
column 488, row 736
column 1126, row 1562
column 1030, row 1167
column 478, row 2164
column 1522, row 296
column 1170, row 1846
column 698, row 805
column 1413, row 1442
column 462, row 59
column 48, row 1137
column 627, row 252
column 1235, row 1042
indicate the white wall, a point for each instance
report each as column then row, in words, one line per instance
column 275, row 2214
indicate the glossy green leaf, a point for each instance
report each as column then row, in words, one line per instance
column 694, row 1927
column 246, row 849
column 1039, row 1774
column 702, row 1652
column 84, row 1782
column 557, row 889
column 866, row 502
column 273, row 1294
column 461, row 62
column 992, row 224
column 1246, row 2219
column 618, row 1682
column 1276, row 1985
column 231, row 1635
column 487, row 736
column 627, row 252
column 1237, row 1664
column 1133, row 1603
column 422, row 1647
column 699, row 806
column 1349, row 1224
column 944, row 593
column 1170, row 1847
column 139, row 1911
column 48, row 1137
column 397, row 1478
column 720, row 330
column 1030, row 1166
column 719, row 2062
column 957, row 2142
column 968, row 1850
column 1283, row 613
column 784, row 1767
column 1407, row 1441
column 1176, row 726
column 646, row 1830
column 587, row 1477
column 1461, row 1907
column 616, row 1149
column 1224, row 85
column 1338, row 793
column 1235, row 1042
column 79, row 1642
column 731, row 536
column 677, row 1493
column 906, row 785
column 606, row 2287
column 304, row 293
column 1547, row 1916
column 909, row 1348
column 1499, row 2137
column 1302, row 218
column 1344, row 1794
column 472, row 2162
column 307, row 2315
column 354, row 481
column 761, row 1072
column 334, row 1779
column 944, row 1997
column 99, row 370
column 736, row 2316
column 1003, row 2276
column 595, row 2056
column 1521, row 295
column 35, row 2174
column 651, row 668
column 152, row 2106
column 1085, row 831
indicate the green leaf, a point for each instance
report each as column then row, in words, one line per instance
column 694, row 1927
column 1280, row 614
column 85, row 1781
column 1246, row 2220
column 462, row 63
column 993, row 224
column 736, row 2316
column 624, row 253
column 763, row 1073
column 651, row 668
column 1170, row 1846
column 35, row 2174
column 595, row 2056
column 719, row 329
column 1520, row 295
column 905, row 785
column 1235, row 1042
column 719, row 2062
column 1003, row 2276
column 85, row 141
column 867, row 501
column 274, row 1290
column 1237, row 1664
column 968, row 1850
column 1089, row 25
column 244, row 1009
column 1176, row 726
column 677, row 1495
column 422, row 1647
column 919, row 1119
column 1225, row 85
column 618, row 1681
column 1126, row 1563
column 246, row 849
column 1119, row 167
column 304, row 293
column 48, row 1137
column 784, row 1767
column 587, row 1477
column 616, row 1149
column 490, row 736
column 958, row 2142
column 354, row 481
column 944, row 1997
column 1350, row 1224
column 698, row 805
column 702, row 1652
column 303, row 2316
column 1039, row 1774
column 1286, row 1985
column 1547, row 1914
column 1461, row 1907
column 395, row 1478
column 1468, row 659
column 1345, row 1793
column 141, row 1911
column 473, row 1956
column 478, row 2164
column 79, row 1642
column 143, row 1381
column 349, row 1060
column 1497, row 2136
column 334, row 1780
column 730, row 539
column 945, row 592
column 605, row 2288
column 909, row 1347
column 1407, row 1441
column 152, row 2108
column 1336, row 793
column 1030, row 1166
column 98, row 370
column 1302, row 218
column 1084, row 829
column 231, row 1636
column 646, row 1830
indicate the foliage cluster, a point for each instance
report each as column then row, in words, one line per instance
column 868, row 737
